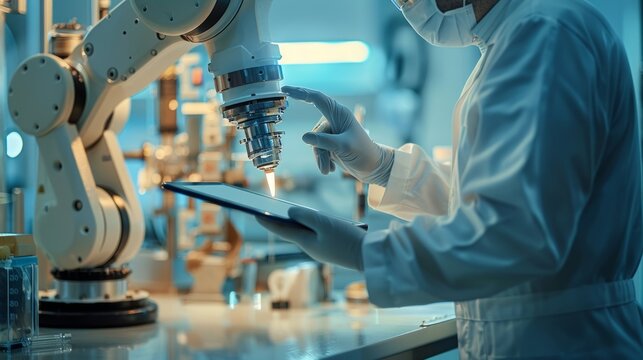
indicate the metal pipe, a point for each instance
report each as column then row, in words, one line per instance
column 3, row 94
column 18, row 211
column 46, row 19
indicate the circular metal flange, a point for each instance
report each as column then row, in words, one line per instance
column 260, row 126
column 42, row 94
column 248, row 76
column 91, row 290
column 53, row 296
column 237, row 113
column 267, row 163
column 96, row 274
column 135, row 309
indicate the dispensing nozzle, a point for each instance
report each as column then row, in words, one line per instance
column 258, row 120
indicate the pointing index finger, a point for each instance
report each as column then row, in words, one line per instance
column 322, row 102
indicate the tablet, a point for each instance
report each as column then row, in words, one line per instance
column 244, row 200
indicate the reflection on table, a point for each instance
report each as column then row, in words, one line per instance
column 253, row 330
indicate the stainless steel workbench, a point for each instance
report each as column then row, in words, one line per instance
column 209, row 330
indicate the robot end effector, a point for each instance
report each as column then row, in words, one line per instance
column 252, row 97
column 243, row 61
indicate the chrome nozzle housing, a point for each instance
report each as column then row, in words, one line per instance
column 258, row 119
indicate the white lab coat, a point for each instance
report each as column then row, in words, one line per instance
column 537, row 230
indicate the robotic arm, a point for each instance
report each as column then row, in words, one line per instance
column 87, row 212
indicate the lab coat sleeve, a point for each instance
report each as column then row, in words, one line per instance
column 417, row 185
column 526, row 167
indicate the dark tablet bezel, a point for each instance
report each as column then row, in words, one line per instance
column 179, row 187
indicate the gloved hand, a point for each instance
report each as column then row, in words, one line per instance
column 325, row 239
column 338, row 137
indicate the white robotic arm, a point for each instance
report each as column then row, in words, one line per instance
column 87, row 212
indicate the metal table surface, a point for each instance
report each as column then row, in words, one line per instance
column 210, row 330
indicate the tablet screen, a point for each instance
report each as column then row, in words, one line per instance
column 240, row 199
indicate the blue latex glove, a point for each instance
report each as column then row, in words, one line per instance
column 339, row 138
column 325, row 239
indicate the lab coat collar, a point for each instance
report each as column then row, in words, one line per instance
column 487, row 29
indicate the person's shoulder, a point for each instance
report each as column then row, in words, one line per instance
column 551, row 18
column 567, row 12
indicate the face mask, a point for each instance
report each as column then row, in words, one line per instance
column 452, row 28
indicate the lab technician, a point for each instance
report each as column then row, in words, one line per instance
column 535, row 230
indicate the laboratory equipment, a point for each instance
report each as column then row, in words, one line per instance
column 49, row 343
column 65, row 37
column 88, row 218
column 249, row 268
column 202, row 152
column 18, row 293
column 356, row 292
column 213, row 262
column 296, row 287
column 166, row 161
column 13, row 6
column 244, row 200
